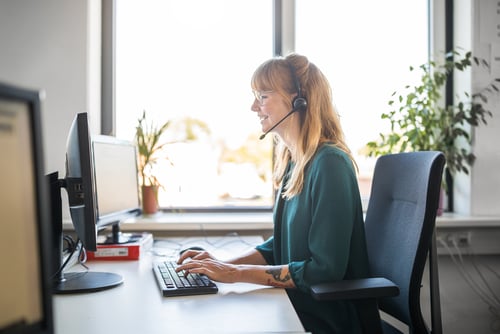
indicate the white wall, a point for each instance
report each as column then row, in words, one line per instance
column 476, row 28
column 485, row 185
column 49, row 45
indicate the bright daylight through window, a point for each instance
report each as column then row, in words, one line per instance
column 190, row 62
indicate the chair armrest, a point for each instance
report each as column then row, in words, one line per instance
column 365, row 288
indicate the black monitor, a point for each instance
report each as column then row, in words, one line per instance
column 117, row 186
column 80, row 185
column 25, row 284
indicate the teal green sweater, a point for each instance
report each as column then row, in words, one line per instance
column 320, row 235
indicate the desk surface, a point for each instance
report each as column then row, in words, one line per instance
column 137, row 305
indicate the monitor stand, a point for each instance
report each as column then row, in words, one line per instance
column 117, row 237
column 74, row 282
column 86, row 281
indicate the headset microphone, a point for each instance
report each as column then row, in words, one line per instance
column 275, row 125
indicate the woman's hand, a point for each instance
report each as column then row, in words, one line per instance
column 250, row 268
column 204, row 263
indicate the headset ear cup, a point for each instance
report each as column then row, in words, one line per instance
column 299, row 104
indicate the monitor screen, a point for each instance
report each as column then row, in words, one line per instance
column 25, row 303
column 116, row 179
column 80, row 182
column 80, row 186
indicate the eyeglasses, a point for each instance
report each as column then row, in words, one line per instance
column 261, row 95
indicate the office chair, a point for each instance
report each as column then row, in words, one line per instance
column 400, row 225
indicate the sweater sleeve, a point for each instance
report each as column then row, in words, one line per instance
column 267, row 250
column 333, row 195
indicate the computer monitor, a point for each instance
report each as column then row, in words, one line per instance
column 80, row 185
column 25, row 284
column 117, row 186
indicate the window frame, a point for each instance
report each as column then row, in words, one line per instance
column 283, row 43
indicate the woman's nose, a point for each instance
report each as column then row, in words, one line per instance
column 255, row 105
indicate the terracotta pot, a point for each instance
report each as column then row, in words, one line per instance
column 149, row 199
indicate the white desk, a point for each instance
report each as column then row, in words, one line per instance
column 137, row 305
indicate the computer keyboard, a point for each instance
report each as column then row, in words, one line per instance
column 172, row 283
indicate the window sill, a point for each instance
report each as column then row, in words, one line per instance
column 264, row 220
column 258, row 221
column 220, row 221
column 453, row 220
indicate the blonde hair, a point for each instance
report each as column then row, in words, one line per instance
column 320, row 122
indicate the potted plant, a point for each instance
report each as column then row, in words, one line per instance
column 148, row 138
column 419, row 121
column 150, row 143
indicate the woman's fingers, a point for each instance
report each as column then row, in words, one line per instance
column 193, row 254
column 216, row 270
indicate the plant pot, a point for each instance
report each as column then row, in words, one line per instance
column 149, row 199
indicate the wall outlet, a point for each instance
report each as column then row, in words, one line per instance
column 473, row 240
column 464, row 239
column 458, row 239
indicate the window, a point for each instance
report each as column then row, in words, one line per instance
column 181, row 60
column 193, row 60
column 365, row 49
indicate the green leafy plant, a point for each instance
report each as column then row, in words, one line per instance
column 148, row 138
column 419, row 122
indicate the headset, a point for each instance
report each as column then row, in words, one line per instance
column 299, row 103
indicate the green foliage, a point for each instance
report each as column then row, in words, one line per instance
column 419, row 122
column 148, row 140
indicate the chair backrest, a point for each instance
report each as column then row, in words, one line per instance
column 400, row 223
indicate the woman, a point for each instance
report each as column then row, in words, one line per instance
column 319, row 231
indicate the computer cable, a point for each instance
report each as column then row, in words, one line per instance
column 70, row 244
column 166, row 248
column 485, row 293
column 171, row 248
column 71, row 248
column 82, row 255
column 224, row 241
column 494, row 301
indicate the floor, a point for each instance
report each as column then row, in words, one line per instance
column 465, row 307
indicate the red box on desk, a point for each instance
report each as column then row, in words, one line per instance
column 125, row 251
